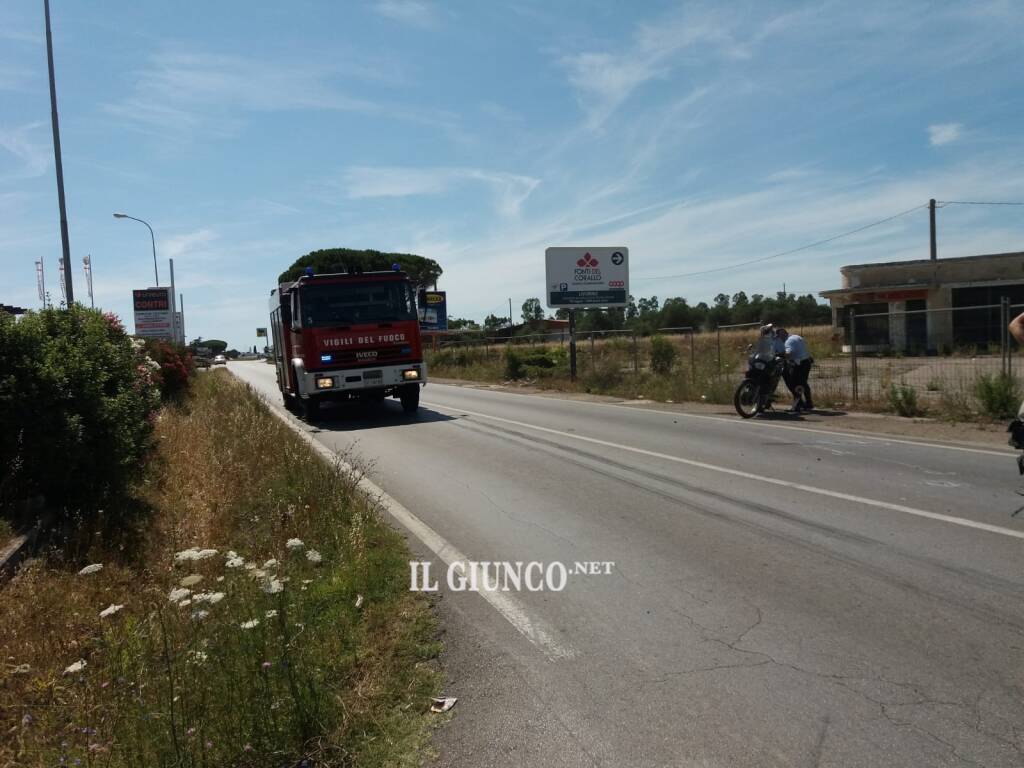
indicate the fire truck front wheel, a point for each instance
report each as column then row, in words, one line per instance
column 409, row 394
column 310, row 408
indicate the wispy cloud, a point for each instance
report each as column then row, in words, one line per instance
column 943, row 133
column 29, row 148
column 604, row 81
column 414, row 12
column 179, row 94
column 187, row 244
column 510, row 190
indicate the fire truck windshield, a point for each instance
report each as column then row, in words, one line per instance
column 357, row 302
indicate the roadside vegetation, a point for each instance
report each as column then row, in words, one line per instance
column 225, row 598
column 702, row 367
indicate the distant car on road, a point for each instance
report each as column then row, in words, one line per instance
column 220, row 360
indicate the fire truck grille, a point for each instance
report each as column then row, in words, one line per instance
column 352, row 358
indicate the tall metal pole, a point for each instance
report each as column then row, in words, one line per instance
column 174, row 307
column 41, row 281
column 181, row 308
column 69, row 291
column 931, row 225
column 152, row 239
column 87, row 262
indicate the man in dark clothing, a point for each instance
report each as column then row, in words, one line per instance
column 798, row 369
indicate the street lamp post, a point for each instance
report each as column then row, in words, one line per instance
column 152, row 237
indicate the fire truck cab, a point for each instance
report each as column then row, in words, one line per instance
column 347, row 335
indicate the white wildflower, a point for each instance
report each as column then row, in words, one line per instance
column 313, row 556
column 75, row 668
column 110, row 610
column 259, row 573
column 193, row 553
column 359, row 601
column 273, row 586
column 208, row 597
column 294, row 544
column 191, row 580
column 186, row 555
column 22, row 669
column 178, row 593
column 270, row 563
column 196, row 657
column 307, row 581
column 91, row 569
column 185, row 603
column 271, row 614
column 199, row 615
column 235, row 562
column 252, row 623
column 250, row 566
column 220, row 579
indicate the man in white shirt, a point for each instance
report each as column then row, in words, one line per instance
column 798, row 369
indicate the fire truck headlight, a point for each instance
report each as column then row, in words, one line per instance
column 410, row 375
column 324, row 382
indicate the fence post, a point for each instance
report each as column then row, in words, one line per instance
column 693, row 364
column 636, row 356
column 1004, row 334
column 853, row 353
column 593, row 357
column 719, row 350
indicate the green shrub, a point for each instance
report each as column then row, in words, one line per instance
column 998, row 394
column 903, row 400
column 663, row 354
column 77, row 401
column 514, row 367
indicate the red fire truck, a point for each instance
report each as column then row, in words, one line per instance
column 347, row 335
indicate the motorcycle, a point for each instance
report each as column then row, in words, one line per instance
column 756, row 392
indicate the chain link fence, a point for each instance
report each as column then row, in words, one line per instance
column 943, row 359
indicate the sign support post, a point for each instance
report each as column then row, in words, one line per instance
column 572, row 345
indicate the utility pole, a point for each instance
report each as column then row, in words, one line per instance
column 68, row 290
column 931, row 223
column 181, row 308
column 510, row 322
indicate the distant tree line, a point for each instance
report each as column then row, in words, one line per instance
column 647, row 315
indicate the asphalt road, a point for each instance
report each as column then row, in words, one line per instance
column 778, row 597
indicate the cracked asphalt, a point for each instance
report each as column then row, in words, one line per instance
column 744, row 623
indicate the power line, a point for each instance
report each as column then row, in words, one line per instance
column 974, row 202
column 787, row 253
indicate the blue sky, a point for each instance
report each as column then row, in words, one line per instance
column 698, row 135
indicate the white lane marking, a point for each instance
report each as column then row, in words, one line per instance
column 534, row 630
column 750, row 476
column 852, row 436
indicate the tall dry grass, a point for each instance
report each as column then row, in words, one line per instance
column 259, row 616
column 707, row 366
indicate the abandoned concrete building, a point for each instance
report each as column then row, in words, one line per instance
column 928, row 306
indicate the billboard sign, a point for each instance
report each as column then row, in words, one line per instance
column 261, row 333
column 587, row 278
column 433, row 310
column 153, row 315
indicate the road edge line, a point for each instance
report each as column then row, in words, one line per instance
column 534, row 630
